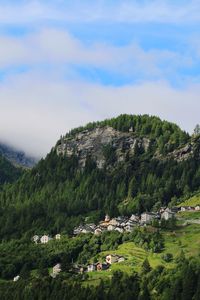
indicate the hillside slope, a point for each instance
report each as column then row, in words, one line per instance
column 123, row 165
column 16, row 157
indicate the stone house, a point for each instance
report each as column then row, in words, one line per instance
column 119, row 229
column 111, row 227
column 102, row 266
column 91, row 268
column 148, row 217
column 167, row 215
column 35, row 239
column 57, row 269
column 58, row 236
column 197, row 208
column 134, row 218
column 45, row 239
column 16, row 278
column 98, row 231
column 111, row 259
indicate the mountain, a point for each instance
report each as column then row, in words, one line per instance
column 123, row 165
column 8, row 172
column 129, row 164
column 16, row 157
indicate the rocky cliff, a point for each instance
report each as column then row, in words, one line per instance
column 93, row 143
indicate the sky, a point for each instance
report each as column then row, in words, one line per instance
column 65, row 63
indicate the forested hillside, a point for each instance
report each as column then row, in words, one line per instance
column 57, row 193
column 8, row 173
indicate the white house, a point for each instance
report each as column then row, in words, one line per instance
column 107, row 218
column 58, row 236
column 134, row 218
column 57, row 269
column 111, row 259
column 167, row 215
column 98, row 231
column 197, row 207
column 16, row 278
column 91, row 268
column 111, row 227
column 147, row 217
column 45, row 239
column 119, row 229
column 35, row 239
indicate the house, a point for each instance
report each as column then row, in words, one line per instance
column 148, row 217
column 77, row 230
column 111, row 259
column 107, row 218
column 87, row 229
column 134, row 218
column 114, row 222
column 45, row 239
column 197, row 208
column 102, row 266
column 58, row 236
column 187, row 208
column 119, row 229
column 167, row 215
column 91, row 268
column 111, row 227
column 16, row 278
column 35, row 239
column 57, row 269
column 98, row 231
column 129, row 227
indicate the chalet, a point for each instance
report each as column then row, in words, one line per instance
column 45, row 239
column 134, row 218
column 102, row 266
column 107, row 218
column 197, row 208
column 91, row 268
column 111, row 227
column 187, row 208
column 148, row 217
column 114, row 222
column 98, row 231
column 111, row 259
column 167, row 215
column 35, row 239
column 16, row 278
column 57, row 269
column 119, row 229
column 87, row 229
column 58, row 236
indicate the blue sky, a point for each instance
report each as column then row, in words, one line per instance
column 64, row 63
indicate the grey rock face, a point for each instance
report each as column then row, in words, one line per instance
column 93, row 142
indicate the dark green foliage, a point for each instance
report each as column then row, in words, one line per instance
column 8, row 173
column 56, row 195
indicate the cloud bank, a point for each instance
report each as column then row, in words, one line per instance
column 35, row 112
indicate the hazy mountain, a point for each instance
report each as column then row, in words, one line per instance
column 17, row 157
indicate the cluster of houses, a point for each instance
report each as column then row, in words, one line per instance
column 99, row 266
column 44, row 239
column 190, row 208
column 126, row 224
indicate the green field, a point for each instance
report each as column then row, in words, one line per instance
column 193, row 201
column 184, row 238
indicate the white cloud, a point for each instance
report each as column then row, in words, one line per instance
column 35, row 112
column 55, row 47
column 128, row 11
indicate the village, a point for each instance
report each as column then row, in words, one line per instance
column 120, row 224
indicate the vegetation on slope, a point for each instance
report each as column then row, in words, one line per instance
column 56, row 194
